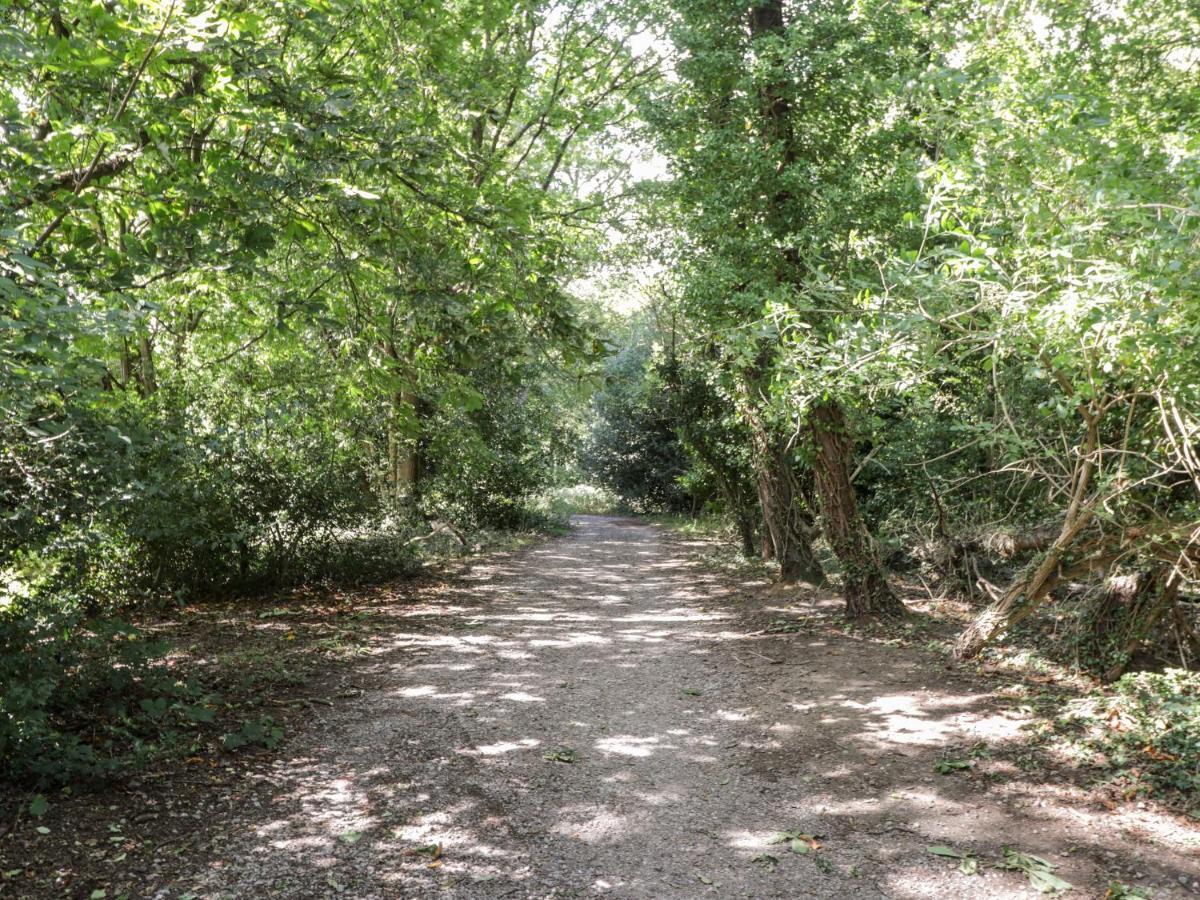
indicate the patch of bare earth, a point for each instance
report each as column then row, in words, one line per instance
column 602, row 715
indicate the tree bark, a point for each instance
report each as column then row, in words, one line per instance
column 864, row 586
column 745, row 532
column 789, row 538
column 146, row 367
column 767, row 547
column 407, row 467
column 783, row 529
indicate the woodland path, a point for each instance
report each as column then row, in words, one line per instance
column 694, row 741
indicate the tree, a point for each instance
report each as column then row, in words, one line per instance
column 788, row 164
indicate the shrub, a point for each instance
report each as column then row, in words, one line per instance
column 569, row 500
column 1144, row 735
column 1152, row 732
column 79, row 695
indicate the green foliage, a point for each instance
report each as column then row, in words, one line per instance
column 1151, row 731
column 578, row 499
column 972, row 228
column 1038, row 870
column 261, row 732
column 276, row 289
column 634, row 448
column 83, row 695
column 1143, row 734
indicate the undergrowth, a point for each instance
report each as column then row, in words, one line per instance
column 85, row 693
column 1144, row 735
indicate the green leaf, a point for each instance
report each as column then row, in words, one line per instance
column 38, row 806
column 946, row 766
column 943, row 850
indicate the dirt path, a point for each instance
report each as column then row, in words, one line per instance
column 693, row 744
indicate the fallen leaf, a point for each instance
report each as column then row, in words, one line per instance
column 943, row 850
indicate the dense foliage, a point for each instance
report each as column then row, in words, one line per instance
column 933, row 267
column 278, row 282
column 633, row 448
column 283, row 284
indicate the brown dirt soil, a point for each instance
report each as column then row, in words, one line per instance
column 603, row 715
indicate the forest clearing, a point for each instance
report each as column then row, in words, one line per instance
column 561, row 448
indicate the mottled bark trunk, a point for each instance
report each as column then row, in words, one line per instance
column 1018, row 601
column 790, row 540
column 407, row 470
column 864, row 586
column 403, row 469
column 767, row 547
column 745, row 532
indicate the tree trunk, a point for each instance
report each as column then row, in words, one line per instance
column 1021, row 598
column 865, row 588
column 146, row 367
column 783, row 529
column 767, row 547
column 745, row 532
column 789, row 539
column 403, row 467
column 407, row 471
column 1028, row 590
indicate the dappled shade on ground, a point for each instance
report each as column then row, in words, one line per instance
column 596, row 716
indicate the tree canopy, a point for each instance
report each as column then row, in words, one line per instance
column 284, row 285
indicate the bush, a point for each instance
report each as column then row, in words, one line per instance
column 1152, row 730
column 1144, row 735
column 578, row 499
column 80, row 696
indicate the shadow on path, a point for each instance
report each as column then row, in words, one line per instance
column 691, row 745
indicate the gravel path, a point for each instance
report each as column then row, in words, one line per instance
column 678, row 744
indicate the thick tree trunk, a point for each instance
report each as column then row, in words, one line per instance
column 783, row 528
column 403, row 463
column 767, row 548
column 789, row 538
column 745, row 532
column 865, row 588
column 407, row 471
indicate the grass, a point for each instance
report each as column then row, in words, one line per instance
column 577, row 499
